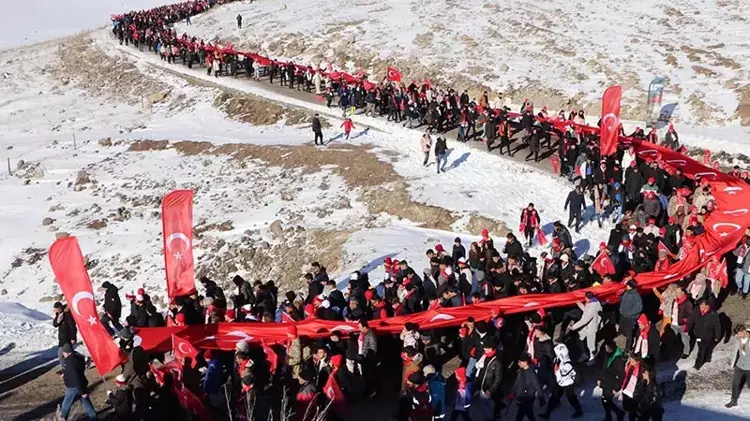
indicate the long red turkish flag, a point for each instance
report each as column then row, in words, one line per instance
column 177, row 227
column 603, row 264
column 67, row 264
column 610, row 120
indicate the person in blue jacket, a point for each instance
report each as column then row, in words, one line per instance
column 213, row 380
column 436, row 387
column 462, row 400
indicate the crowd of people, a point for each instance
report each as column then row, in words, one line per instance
column 507, row 362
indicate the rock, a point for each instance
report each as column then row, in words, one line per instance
column 3, row 292
column 82, row 177
column 26, row 182
column 105, row 142
column 38, row 172
column 276, row 230
column 9, row 148
column 61, row 234
column 157, row 97
column 51, row 298
column 20, row 164
column 47, row 221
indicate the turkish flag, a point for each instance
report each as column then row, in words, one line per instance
column 719, row 273
column 177, row 226
column 67, row 264
column 393, row 74
column 187, row 398
column 271, row 356
column 332, row 389
column 603, row 264
column 610, row 120
column 183, row 348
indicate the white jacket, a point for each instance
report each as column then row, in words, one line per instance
column 565, row 374
column 589, row 322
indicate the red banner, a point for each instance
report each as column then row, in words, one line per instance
column 67, row 264
column 187, row 398
column 177, row 228
column 610, row 120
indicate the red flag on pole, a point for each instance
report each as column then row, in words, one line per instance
column 67, row 264
column 540, row 236
column 187, row 398
column 183, row 348
column 610, row 120
column 603, row 264
column 177, row 226
column 332, row 389
column 393, row 74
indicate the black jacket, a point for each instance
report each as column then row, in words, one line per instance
column 459, row 252
column 705, row 326
column 66, row 327
column 513, row 249
column 316, row 126
column 526, row 387
column 74, row 373
column 440, row 146
column 112, row 303
column 490, row 377
column 214, row 291
column 611, row 374
column 122, row 402
column 575, row 202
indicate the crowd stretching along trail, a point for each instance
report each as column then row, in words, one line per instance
column 324, row 350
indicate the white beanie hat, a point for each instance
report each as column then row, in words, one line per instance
column 242, row 346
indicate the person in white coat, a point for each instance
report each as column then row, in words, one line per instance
column 566, row 376
column 588, row 325
column 628, row 157
column 317, row 80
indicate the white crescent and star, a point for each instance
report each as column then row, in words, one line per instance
column 82, row 295
column 180, row 348
column 240, row 335
column 611, row 126
column 181, row 237
column 442, row 317
column 726, row 224
column 343, row 327
column 736, row 212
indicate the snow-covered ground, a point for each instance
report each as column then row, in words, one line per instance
column 550, row 51
column 112, row 207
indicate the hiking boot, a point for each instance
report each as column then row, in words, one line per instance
column 731, row 404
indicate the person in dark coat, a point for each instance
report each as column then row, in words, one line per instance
column 631, row 307
column 441, row 149
column 76, row 384
column 576, row 203
column 526, row 389
column 317, row 129
column 212, row 289
column 704, row 323
column 67, row 332
column 459, row 251
column 648, row 396
column 610, row 379
column 243, row 293
column 121, row 400
column 489, row 376
column 112, row 308
column 513, row 247
column 561, row 232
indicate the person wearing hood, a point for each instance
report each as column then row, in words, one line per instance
column 416, row 399
column 565, row 374
column 588, row 325
column 463, row 396
column 436, row 387
column 67, row 332
column 610, row 379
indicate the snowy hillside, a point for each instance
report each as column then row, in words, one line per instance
column 551, row 52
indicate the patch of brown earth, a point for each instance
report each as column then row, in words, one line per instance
column 743, row 108
column 257, row 111
column 705, row 71
column 394, row 200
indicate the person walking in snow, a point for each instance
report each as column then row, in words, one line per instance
column 576, row 203
column 317, row 129
column 529, row 222
column 588, row 325
column 441, row 155
column 348, row 125
column 426, row 143
column 740, row 362
column 67, row 332
column 239, row 21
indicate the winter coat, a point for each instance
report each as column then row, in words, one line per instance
column 67, row 332
column 589, row 322
column 612, row 373
column 652, row 208
column 705, row 327
column 212, row 381
column 369, row 345
column 214, row 291
column 631, row 304
column 740, row 356
column 112, row 303
column 490, row 375
column 564, row 235
column 122, row 401
column 459, row 252
column 565, row 373
column 743, row 260
column 526, row 387
column 74, row 373
column 648, row 396
column 513, row 249
column 436, row 387
column 317, row 127
column 426, row 143
column 440, row 146
column 575, row 202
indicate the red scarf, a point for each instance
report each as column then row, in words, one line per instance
column 629, row 382
column 489, row 354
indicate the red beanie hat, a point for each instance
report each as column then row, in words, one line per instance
column 642, row 319
column 368, row 295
